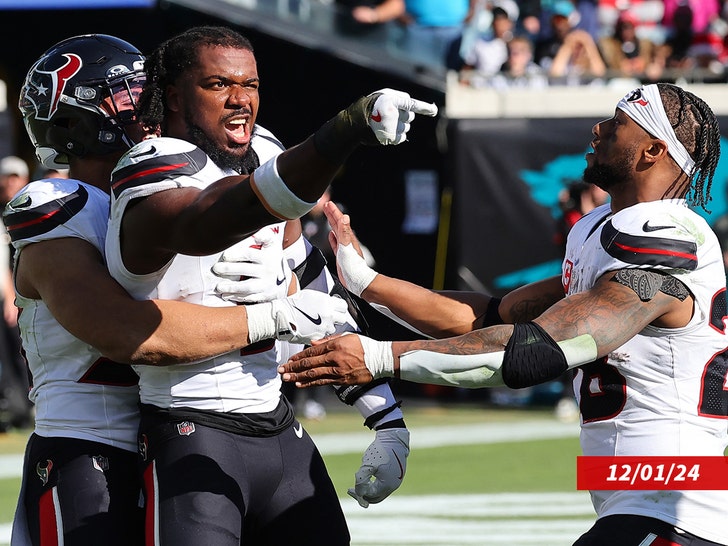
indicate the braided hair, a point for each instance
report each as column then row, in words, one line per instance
column 172, row 58
column 696, row 127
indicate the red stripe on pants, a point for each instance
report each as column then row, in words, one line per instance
column 149, row 509
column 48, row 519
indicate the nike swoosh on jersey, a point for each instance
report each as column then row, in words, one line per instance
column 280, row 281
column 31, row 222
column 21, row 202
column 316, row 320
column 638, row 250
column 151, row 151
column 647, row 228
column 298, row 430
column 376, row 117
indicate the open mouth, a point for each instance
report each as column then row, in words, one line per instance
column 237, row 130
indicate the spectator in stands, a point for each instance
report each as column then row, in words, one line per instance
column 519, row 70
column 489, row 53
column 673, row 54
column 429, row 27
column 585, row 17
column 578, row 54
column 703, row 12
column 624, row 53
column 648, row 14
column 690, row 52
column 14, row 175
column 582, row 14
column 529, row 19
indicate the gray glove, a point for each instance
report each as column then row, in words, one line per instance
column 383, row 466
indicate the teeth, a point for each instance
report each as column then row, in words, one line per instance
column 237, row 122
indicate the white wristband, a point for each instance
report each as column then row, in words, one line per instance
column 357, row 274
column 275, row 195
column 378, row 399
column 261, row 324
column 378, row 357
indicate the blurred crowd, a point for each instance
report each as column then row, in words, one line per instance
column 534, row 43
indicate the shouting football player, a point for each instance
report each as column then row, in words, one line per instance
column 226, row 462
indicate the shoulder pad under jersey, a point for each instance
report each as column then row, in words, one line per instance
column 155, row 161
column 659, row 234
column 55, row 208
column 265, row 144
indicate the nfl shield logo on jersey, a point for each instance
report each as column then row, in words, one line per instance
column 185, row 428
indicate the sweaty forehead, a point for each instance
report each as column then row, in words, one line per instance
column 232, row 62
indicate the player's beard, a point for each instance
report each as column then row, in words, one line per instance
column 226, row 159
column 607, row 176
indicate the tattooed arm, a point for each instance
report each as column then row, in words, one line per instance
column 604, row 317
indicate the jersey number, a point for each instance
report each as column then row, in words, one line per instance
column 604, row 390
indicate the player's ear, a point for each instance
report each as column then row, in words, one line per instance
column 656, row 150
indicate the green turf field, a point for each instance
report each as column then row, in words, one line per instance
column 475, row 476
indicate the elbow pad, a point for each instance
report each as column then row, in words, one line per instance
column 533, row 357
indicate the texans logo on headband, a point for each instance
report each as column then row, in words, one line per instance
column 637, row 97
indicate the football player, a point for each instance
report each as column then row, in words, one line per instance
column 252, row 475
column 642, row 320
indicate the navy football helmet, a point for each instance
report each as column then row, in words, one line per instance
column 80, row 96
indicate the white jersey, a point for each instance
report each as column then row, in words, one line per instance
column 663, row 392
column 242, row 381
column 77, row 392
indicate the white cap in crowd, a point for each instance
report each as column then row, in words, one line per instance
column 13, row 165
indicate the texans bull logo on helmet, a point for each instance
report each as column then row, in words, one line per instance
column 50, row 83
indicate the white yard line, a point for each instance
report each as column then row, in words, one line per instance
column 460, row 520
column 483, row 433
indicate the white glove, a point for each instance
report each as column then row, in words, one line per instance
column 301, row 318
column 253, row 272
column 383, row 466
column 392, row 113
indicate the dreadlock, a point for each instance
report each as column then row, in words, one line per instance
column 172, row 58
column 696, row 127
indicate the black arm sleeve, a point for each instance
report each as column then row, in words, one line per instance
column 531, row 357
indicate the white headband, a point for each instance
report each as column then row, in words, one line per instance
column 644, row 106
